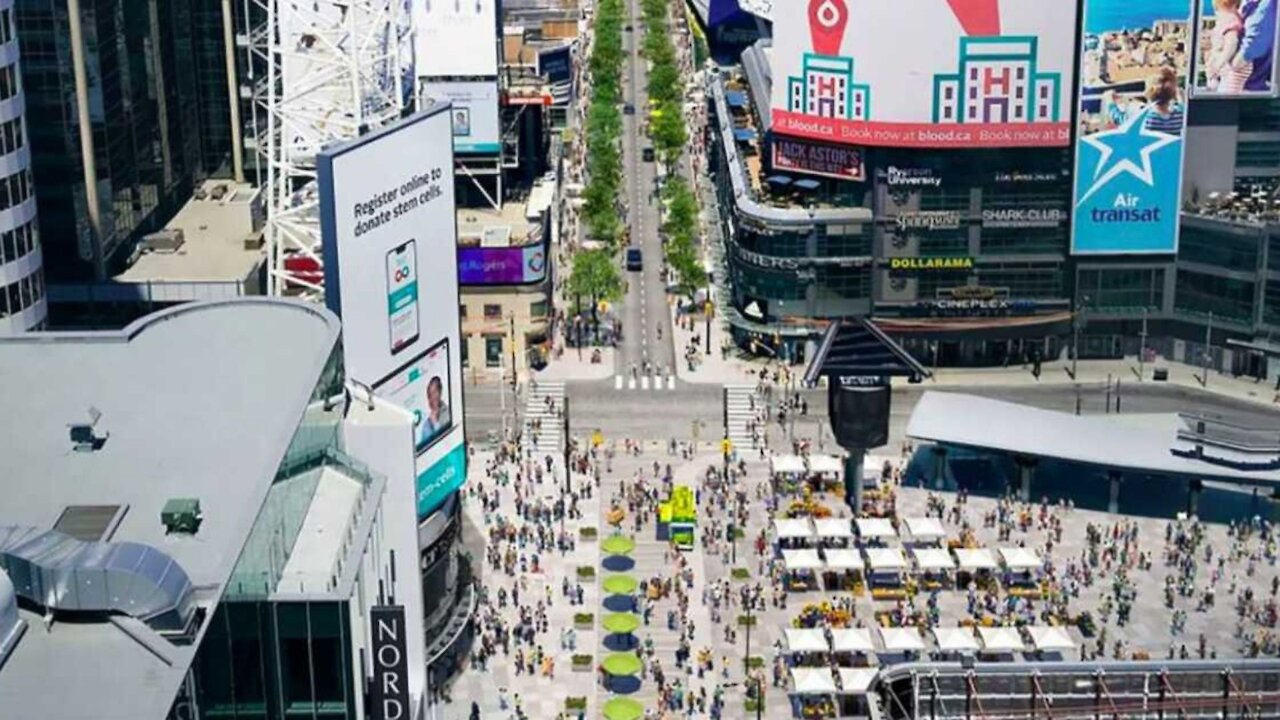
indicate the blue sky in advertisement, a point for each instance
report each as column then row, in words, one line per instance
column 1132, row 118
column 440, row 479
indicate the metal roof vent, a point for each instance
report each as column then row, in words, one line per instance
column 60, row 573
column 84, row 437
column 11, row 626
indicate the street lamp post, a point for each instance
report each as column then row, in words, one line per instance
column 1208, row 350
column 568, row 484
column 1077, row 321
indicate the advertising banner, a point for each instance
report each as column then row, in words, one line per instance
column 389, row 236
column 939, row 74
column 389, row 687
column 1235, row 49
column 556, row 64
column 440, row 479
column 1133, row 96
column 456, row 39
column 475, row 113
column 814, row 158
column 502, row 266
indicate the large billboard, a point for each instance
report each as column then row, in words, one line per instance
column 502, row 265
column 936, row 74
column 1133, row 97
column 816, row 158
column 1235, row 48
column 456, row 38
column 475, row 113
column 389, row 234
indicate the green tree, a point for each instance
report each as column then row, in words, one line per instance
column 594, row 275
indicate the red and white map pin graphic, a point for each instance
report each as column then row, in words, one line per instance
column 827, row 21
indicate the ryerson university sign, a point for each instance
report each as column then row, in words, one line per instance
column 389, row 691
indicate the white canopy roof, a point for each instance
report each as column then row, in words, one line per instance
column 856, row 681
column 876, row 528
column 843, row 559
column 806, row 640
column 1017, row 558
column 922, row 528
column 898, row 639
column 976, row 559
column 792, row 527
column 813, row 681
column 833, row 527
column 825, row 464
column 955, row 639
column 933, row 559
column 804, row 559
column 1000, row 639
column 1051, row 637
column 886, row 558
column 857, row 640
column 786, row 464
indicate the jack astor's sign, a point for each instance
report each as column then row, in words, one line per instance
column 930, row 264
column 815, row 158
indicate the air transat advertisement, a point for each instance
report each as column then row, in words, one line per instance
column 1133, row 96
column 925, row 73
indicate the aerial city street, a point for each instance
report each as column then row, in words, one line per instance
column 639, row 359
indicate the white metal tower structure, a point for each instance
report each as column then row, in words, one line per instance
column 320, row 71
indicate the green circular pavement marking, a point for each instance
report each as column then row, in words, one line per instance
column 621, row 623
column 623, row 708
column 622, row 664
column 620, row 585
column 618, row 545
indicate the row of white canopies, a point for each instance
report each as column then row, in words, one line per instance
column 894, row 559
column 1001, row 639
column 797, row 465
column 916, row 529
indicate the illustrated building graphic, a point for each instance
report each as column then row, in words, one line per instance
column 997, row 82
column 826, row 88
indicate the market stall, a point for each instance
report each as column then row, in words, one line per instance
column 801, row 569
column 903, row 642
column 833, row 531
column 792, row 532
column 853, row 686
column 923, row 531
column 805, row 641
column 1000, row 643
column 976, row 565
column 812, row 692
column 853, row 646
column 1023, row 567
column 954, row 641
column 886, row 572
column 934, row 565
column 875, row 531
column 844, row 569
column 1051, row 641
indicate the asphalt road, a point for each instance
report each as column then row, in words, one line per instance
column 646, row 323
column 658, row 415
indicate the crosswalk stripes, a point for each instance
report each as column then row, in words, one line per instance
column 645, row 382
column 741, row 403
column 543, row 428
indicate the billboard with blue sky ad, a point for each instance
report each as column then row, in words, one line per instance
column 1135, row 66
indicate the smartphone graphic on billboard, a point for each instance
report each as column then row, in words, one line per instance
column 402, row 295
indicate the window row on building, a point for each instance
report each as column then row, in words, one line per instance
column 22, row 294
column 18, row 242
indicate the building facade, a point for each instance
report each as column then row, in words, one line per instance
column 22, row 292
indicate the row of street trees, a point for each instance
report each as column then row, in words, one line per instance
column 670, row 135
column 594, row 275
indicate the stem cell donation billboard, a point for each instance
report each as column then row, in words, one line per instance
column 1235, row 48
column 389, row 230
column 1133, row 97
column 925, row 73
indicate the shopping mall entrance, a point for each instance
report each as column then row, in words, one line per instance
column 982, row 352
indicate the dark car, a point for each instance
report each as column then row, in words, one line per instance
column 628, row 109
column 647, row 154
column 635, row 259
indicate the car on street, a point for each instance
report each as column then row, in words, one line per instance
column 635, row 259
column 628, row 109
column 648, row 154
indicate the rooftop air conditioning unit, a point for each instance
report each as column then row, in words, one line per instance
column 163, row 241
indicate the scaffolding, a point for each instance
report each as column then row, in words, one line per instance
column 1155, row 690
column 318, row 71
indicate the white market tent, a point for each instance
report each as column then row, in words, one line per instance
column 833, row 527
column 813, row 681
column 955, row 639
column 1000, row 639
column 790, row 528
column 897, row 639
column 876, row 528
column 885, row 559
column 971, row 559
column 786, row 464
column 806, row 640
column 825, row 464
column 1017, row 558
column 924, row 528
column 843, row 559
column 1051, row 637
column 856, row 681
column 803, row 559
column 933, row 559
column 854, row 640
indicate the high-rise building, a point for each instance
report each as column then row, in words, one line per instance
column 22, row 298
column 125, row 110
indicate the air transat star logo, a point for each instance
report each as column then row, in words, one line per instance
column 1125, row 150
